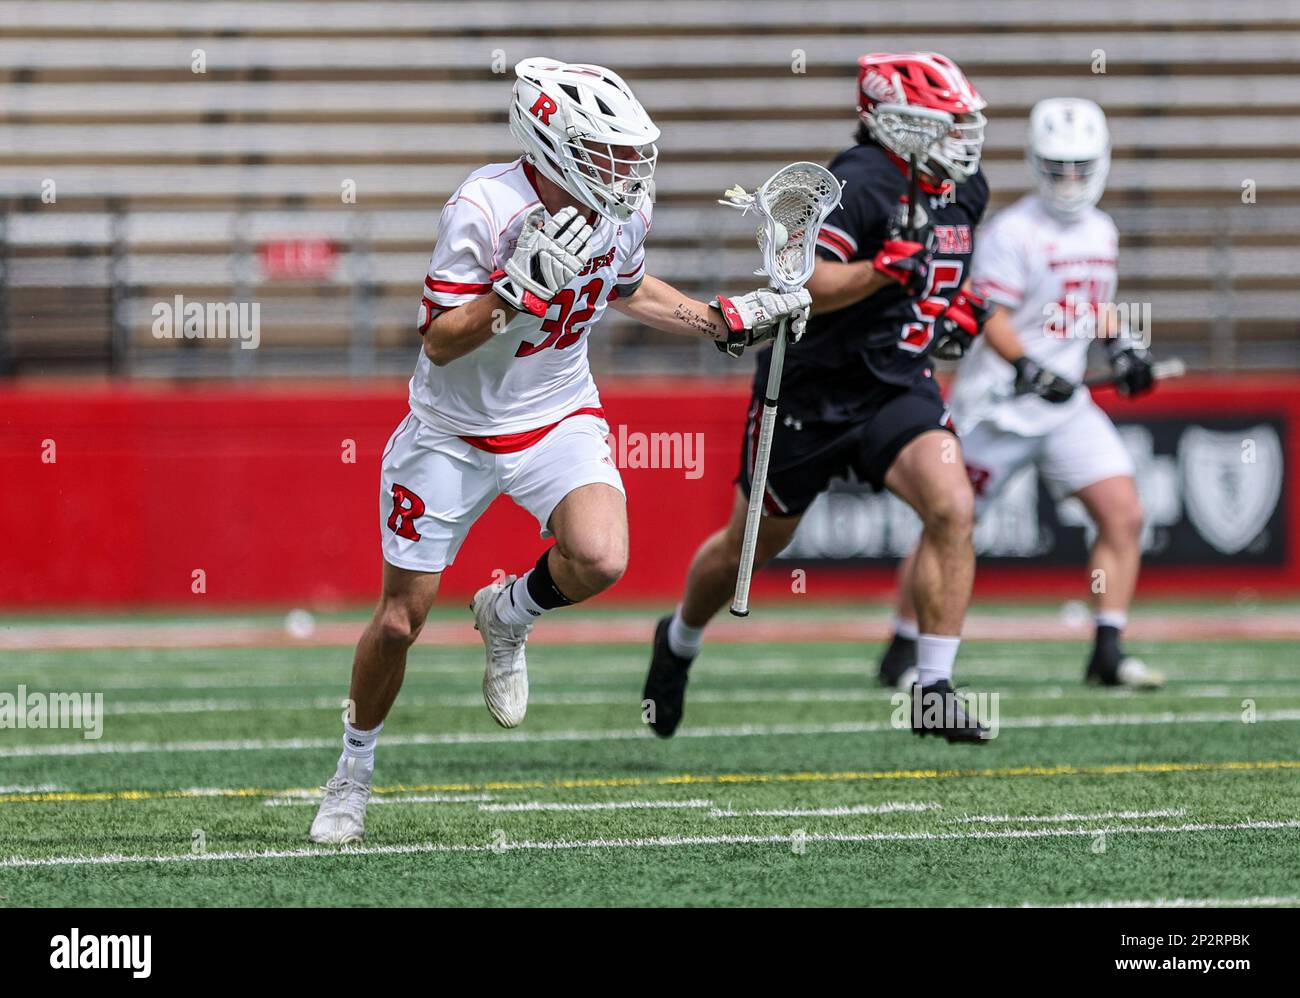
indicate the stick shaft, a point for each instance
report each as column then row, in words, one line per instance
column 1160, row 370
column 758, row 480
column 913, row 192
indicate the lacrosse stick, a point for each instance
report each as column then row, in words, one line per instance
column 1160, row 370
column 912, row 131
column 793, row 203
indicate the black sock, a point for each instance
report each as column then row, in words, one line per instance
column 542, row 588
column 1107, row 643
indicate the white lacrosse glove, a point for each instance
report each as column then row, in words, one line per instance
column 549, row 254
column 755, row 317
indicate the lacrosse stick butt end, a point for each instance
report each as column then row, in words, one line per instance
column 740, row 613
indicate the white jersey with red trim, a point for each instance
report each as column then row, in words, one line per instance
column 535, row 371
column 1055, row 279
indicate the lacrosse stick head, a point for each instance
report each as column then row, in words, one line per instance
column 792, row 203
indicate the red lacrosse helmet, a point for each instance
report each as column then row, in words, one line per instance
column 926, row 79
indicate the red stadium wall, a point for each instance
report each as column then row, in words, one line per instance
column 115, row 496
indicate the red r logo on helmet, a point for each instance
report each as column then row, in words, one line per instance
column 543, row 108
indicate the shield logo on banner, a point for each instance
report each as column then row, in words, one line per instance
column 1230, row 492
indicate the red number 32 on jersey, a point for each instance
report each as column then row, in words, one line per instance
column 566, row 328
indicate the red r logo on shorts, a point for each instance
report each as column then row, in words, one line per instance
column 543, row 108
column 407, row 508
column 979, row 478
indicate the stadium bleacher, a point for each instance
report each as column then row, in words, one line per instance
column 168, row 181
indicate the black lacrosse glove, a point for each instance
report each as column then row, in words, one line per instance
column 960, row 323
column 1131, row 366
column 1047, row 385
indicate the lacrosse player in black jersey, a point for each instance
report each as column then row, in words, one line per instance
column 858, row 396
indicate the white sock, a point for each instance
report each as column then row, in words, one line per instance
column 906, row 628
column 516, row 606
column 935, row 654
column 683, row 640
column 358, row 749
column 1117, row 619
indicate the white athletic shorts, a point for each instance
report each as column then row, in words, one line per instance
column 1084, row 449
column 434, row 485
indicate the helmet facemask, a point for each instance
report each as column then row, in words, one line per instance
column 957, row 156
column 619, row 177
column 1069, row 188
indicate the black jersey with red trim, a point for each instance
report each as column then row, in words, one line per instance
column 846, row 359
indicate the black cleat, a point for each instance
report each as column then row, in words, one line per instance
column 1109, row 666
column 939, row 711
column 665, row 685
column 1124, row 670
column 898, row 664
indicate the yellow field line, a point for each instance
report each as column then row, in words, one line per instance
column 1119, row 769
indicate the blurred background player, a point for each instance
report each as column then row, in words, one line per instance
column 858, row 397
column 1047, row 265
column 528, row 256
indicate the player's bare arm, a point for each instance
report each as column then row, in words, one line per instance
column 834, row 286
column 1001, row 334
column 1031, row 377
column 658, row 304
column 459, row 331
column 732, row 323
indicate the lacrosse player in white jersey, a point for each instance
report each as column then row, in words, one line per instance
column 529, row 255
column 1048, row 264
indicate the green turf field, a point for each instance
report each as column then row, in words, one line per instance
column 786, row 785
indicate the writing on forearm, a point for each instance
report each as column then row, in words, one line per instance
column 687, row 316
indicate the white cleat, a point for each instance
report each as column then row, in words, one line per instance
column 1134, row 672
column 342, row 815
column 505, row 680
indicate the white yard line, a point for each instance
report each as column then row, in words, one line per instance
column 88, row 747
column 664, row 841
column 828, row 812
column 604, row 805
column 1004, row 819
column 315, row 798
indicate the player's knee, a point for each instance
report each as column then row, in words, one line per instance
column 1123, row 524
column 399, row 624
column 951, row 514
column 602, row 566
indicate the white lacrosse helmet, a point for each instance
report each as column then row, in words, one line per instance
column 1068, row 154
column 581, row 127
column 927, row 80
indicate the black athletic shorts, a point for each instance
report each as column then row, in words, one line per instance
column 806, row 456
